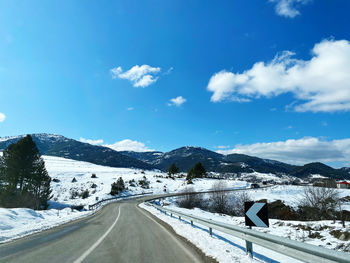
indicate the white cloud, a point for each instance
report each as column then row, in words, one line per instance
column 301, row 151
column 93, row 142
column 288, row 8
column 139, row 76
column 169, row 71
column 129, row 145
column 178, row 101
column 321, row 84
column 222, row 147
column 130, row 108
column 2, row 117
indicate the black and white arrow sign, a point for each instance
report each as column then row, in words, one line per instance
column 256, row 214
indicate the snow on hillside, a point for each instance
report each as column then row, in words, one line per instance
column 19, row 222
column 65, row 170
column 289, row 194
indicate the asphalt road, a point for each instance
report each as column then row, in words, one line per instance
column 120, row 232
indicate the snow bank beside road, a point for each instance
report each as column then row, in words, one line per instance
column 19, row 222
column 214, row 247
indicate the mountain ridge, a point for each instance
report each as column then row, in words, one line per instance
column 183, row 157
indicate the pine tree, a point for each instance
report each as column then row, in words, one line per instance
column 25, row 180
column 198, row 171
column 173, row 169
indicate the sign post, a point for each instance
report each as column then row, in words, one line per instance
column 255, row 215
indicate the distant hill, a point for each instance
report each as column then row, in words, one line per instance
column 260, row 165
column 57, row 145
column 187, row 157
column 184, row 157
column 321, row 169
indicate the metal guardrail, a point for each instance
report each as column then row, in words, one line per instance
column 97, row 204
column 298, row 250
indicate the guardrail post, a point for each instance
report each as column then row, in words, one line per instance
column 180, row 218
column 210, row 231
column 249, row 247
column 191, row 223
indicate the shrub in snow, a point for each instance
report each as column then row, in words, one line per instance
column 189, row 199
column 144, row 183
column 77, row 207
column 94, row 186
column 85, row 194
column 74, row 180
column 319, row 203
column 219, row 199
column 279, row 210
column 117, row 187
column 55, row 180
column 93, row 176
column 73, row 193
column 237, row 201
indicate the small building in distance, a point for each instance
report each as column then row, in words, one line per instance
column 343, row 185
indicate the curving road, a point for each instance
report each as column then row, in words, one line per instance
column 119, row 232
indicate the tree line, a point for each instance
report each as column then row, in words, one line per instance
column 197, row 171
column 24, row 180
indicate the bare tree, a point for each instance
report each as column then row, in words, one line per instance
column 190, row 199
column 219, row 198
column 319, row 203
column 237, row 201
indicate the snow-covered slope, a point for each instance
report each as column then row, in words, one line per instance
column 65, row 170
column 19, row 222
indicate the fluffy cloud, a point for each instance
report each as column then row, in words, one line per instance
column 300, row 151
column 178, row 101
column 222, row 147
column 288, row 8
column 93, row 142
column 2, row 117
column 139, row 76
column 129, row 145
column 321, row 84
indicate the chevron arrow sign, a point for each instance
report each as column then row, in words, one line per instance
column 256, row 214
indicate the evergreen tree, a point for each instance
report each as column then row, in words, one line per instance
column 173, row 169
column 198, row 171
column 25, row 181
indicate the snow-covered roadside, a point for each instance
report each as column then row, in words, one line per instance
column 211, row 246
column 223, row 247
column 19, row 222
column 297, row 230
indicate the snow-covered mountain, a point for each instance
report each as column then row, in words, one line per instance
column 60, row 146
column 184, row 157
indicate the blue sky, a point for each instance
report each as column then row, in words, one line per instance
column 262, row 77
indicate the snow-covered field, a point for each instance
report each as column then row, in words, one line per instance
column 65, row 170
column 19, row 222
column 289, row 194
